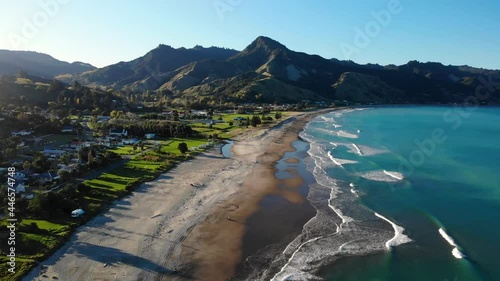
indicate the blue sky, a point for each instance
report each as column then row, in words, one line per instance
column 108, row 31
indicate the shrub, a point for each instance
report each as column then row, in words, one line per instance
column 183, row 148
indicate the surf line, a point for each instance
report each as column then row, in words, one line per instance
column 394, row 175
column 293, row 255
column 345, row 219
column 455, row 252
column 357, row 149
column 399, row 237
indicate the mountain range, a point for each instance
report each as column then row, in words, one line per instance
column 267, row 71
column 37, row 64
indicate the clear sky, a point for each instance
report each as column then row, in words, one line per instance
column 103, row 32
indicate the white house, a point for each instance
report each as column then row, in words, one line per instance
column 19, row 187
column 28, row 196
column 55, row 152
column 21, row 133
column 48, row 177
column 77, row 213
column 101, row 119
column 149, row 136
column 67, row 129
column 118, row 133
column 131, row 141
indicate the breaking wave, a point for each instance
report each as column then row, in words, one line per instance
column 455, row 252
column 382, row 176
column 399, row 238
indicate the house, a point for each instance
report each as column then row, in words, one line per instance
column 118, row 133
column 200, row 113
column 149, row 136
column 19, row 187
column 53, row 152
column 67, row 129
column 78, row 144
column 28, row 196
column 19, row 176
column 77, row 213
column 101, row 119
column 48, row 177
column 21, row 133
column 130, row 141
column 68, row 168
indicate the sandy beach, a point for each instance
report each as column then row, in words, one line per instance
column 187, row 224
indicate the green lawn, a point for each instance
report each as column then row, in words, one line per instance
column 128, row 149
column 43, row 224
column 123, row 150
column 223, row 130
column 171, row 145
column 54, row 141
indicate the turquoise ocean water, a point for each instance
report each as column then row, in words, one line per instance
column 404, row 193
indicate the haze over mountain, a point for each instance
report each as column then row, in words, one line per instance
column 38, row 64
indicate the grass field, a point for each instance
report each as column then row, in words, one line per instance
column 224, row 130
column 171, row 145
column 43, row 224
column 54, row 141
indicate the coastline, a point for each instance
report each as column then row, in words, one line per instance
column 220, row 236
column 170, row 229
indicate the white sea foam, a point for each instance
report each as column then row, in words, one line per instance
column 291, row 258
column 369, row 151
column 455, row 252
column 345, row 219
column 354, row 192
column 340, row 162
column 399, row 238
column 334, row 144
column 342, row 112
column 382, row 176
column 345, row 134
column 358, row 151
column 395, row 175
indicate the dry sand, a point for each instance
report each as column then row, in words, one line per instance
column 171, row 230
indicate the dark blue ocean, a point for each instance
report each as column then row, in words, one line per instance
column 403, row 193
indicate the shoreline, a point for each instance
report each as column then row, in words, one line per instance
column 171, row 229
column 220, row 236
